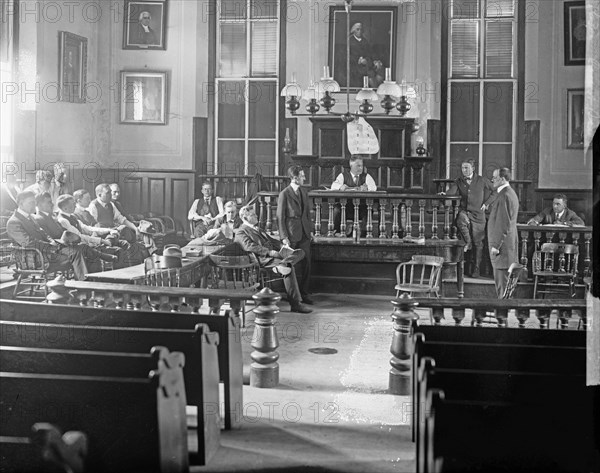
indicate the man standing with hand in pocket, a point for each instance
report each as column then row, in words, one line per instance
column 293, row 217
column 503, row 239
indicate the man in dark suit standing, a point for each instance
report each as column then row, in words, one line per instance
column 293, row 216
column 271, row 252
column 502, row 229
column 559, row 214
column 27, row 233
column 476, row 195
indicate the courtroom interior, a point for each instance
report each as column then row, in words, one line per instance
column 300, row 235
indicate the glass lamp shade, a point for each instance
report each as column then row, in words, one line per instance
column 291, row 90
column 311, row 93
column 367, row 94
column 389, row 88
column 406, row 90
column 327, row 83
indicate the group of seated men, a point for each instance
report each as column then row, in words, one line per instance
column 80, row 235
column 217, row 223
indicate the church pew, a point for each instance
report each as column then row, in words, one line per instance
column 199, row 347
column 133, row 422
column 228, row 328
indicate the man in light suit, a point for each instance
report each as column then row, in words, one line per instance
column 293, row 216
column 27, row 233
column 44, row 217
column 271, row 252
column 502, row 229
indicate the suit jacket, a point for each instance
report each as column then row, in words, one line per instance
column 139, row 36
column 546, row 217
column 502, row 229
column 84, row 216
column 28, row 233
column 293, row 214
column 473, row 195
column 49, row 225
column 257, row 242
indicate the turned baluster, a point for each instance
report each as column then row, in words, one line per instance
column 269, row 227
column 447, row 220
column 502, row 317
column 458, row 314
column 395, row 228
column 562, row 237
column 434, row 223
column 382, row 205
column 587, row 260
column 58, row 294
column 522, row 316
column 408, row 227
column 343, row 203
column 437, row 313
column 318, row 201
column 524, row 241
column 261, row 211
column 356, row 229
column 330, row 219
column 422, row 218
column 453, row 229
column 401, row 347
column 369, row 217
column 264, row 369
column 478, row 316
column 563, row 318
column 543, row 315
column 537, row 236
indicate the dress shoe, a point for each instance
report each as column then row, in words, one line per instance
column 475, row 273
column 467, row 247
column 283, row 270
column 300, row 308
column 307, row 300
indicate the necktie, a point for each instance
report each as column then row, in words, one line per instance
column 556, row 217
column 356, row 180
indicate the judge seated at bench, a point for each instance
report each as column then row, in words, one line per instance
column 559, row 214
column 205, row 211
column 356, row 179
column 271, row 253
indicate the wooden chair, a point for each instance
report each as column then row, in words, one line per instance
column 235, row 272
column 555, row 269
column 33, row 272
column 422, row 274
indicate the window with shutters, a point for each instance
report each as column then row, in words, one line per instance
column 247, row 99
column 482, row 84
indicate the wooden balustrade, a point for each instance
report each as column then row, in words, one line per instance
column 239, row 186
column 387, row 216
column 501, row 307
column 532, row 236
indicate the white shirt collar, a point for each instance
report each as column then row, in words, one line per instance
column 146, row 28
column 24, row 214
column 102, row 203
column 503, row 186
column 294, row 186
column 560, row 214
column 357, row 38
column 470, row 177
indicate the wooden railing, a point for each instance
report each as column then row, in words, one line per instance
column 532, row 236
column 389, row 216
column 500, row 308
column 238, row 187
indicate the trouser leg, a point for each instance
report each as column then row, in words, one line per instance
column 463, row 223
column 292, row 289
column 501, row 280
column 303, row 267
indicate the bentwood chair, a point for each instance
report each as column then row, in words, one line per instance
column 33, row 272
column 555, row 270
column 421, row 275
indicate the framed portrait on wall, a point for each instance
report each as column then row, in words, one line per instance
column 371, row 33
column 72, row 67
column 145, row 25
column 574, row 122
column 575, row 33
column 144, row 97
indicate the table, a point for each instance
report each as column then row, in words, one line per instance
column 193, row 268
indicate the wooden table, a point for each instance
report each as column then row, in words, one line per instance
column 191, row 271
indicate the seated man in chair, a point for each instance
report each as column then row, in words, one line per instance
column 205, row 211
column 271, row 253
column 44, row 217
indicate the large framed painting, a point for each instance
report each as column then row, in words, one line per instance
column 144, row 97
column 574, row 121
column 371, row 33
column 145, row 25
column 575, row 32
column 72, row 67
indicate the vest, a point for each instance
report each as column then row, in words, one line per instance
column 349, row 180
column 85, row 216
column 72, row 220
column 204, row 209
column 106, row 216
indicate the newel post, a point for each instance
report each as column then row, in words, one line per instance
column 402, row 346
column 264, row 370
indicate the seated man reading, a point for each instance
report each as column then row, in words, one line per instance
column 271, row 253
column 356, row 179
column 559, row 214
column 205, row 211
column 222, row 232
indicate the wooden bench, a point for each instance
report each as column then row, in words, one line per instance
column 199, row 346
column 228, row 329
column 130, row 407
column 496, row 374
